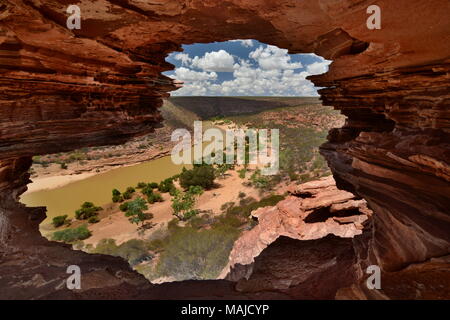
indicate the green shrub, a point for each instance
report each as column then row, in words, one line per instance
column 241, row 194
column 127, row 195
column 59, row 220
column 123, row 207
column 141, row 185
column 197, row 190
column 116, row 192
column 63, row 165
column 87, row 210
column 259, row 181
column 202, row 175
column 153, row 185
column 166, row 185
column 118, row 198
column 130, row 190
column 174, row 191
column 93, row 219
column 155, row 197
column 189, row 214
column 147, row 190
column 72, row 234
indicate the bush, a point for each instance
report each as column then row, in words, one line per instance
column 124, row 206
column 242, row 173
column 147, row 190
column 242, row 194
column 198, row 176
column 197, row 190
column 259, row 181
column 72, row 234
column 166, row 185
column 86, row 211
column 59, row 220
column 153, row 185
column 130, row 190
column 141, row 185
column 118, row 198
column 63, row 165
column 155, row 197
column 189, row 214
column 93, row 219
column 116, row 192
column 127, row 195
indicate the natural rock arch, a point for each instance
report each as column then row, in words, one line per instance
column 102, row 84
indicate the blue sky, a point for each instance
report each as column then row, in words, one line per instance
column 243, row 68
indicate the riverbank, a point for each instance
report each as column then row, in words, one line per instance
column 115, row 225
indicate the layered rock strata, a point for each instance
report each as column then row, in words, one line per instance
column 63, row 89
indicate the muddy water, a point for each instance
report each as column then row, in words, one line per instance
column 97, row 189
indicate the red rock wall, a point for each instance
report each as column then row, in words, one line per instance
column 60, row 90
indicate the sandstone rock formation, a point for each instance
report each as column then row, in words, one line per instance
column 313, row 211
column 102, row 84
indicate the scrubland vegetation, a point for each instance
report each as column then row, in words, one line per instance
column 196, row 244
column 195, row 249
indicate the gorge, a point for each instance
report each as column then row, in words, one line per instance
column 64, row 89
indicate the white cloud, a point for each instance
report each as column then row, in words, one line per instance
column 318, row 67
column 248, row 43
column 183, row 57
column 268, row 71
column 272, row 58
column 186, row 75
column 218, row 61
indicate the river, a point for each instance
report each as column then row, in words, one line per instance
column 98, row 188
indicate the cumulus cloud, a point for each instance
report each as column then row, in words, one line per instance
column 268, row 70
column 271, row 58
column 217, row 61
column 188, row 75
column 183, row 57
column 318, row 67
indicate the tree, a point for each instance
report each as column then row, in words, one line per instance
column 202, row 175
column 59, row 220
column 116, row 196
column 87, row 210
column 183, row 204
column 135, row 210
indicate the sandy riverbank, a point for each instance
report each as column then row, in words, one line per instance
column 114, row 224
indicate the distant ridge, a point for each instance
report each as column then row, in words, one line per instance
column 204, row 108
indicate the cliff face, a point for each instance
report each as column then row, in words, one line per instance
column 102, row 84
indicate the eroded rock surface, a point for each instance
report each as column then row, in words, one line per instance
column 102, row 84
column 313, row 211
